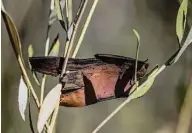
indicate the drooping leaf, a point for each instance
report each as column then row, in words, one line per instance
column 181, row 20
column 58, row 9
column 16, row 44
column 54, row 50
column 48, row 106
column 22, row 97
column 141, row 90
column 189, row 38
column 70, row 31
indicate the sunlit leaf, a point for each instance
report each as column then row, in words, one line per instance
column 137, row 52
column 22, row 98
column 137, row 35
column 70, row 31
column 54, row 116
column 181, row 20
column 48, row 106
column 58, row 10
column 30, row 51
column 54, row 50
column 187, row 42
column 16, row 44
column 140, row 91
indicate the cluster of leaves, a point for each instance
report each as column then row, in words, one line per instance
column 142, row 86
column 48, row 106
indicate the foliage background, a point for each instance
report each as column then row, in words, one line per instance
column 110, row 31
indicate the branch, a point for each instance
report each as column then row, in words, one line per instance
column 81, row 37
column 152, row 76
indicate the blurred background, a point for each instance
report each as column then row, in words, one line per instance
column 110, row 31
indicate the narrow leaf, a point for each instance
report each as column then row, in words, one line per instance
column 22, row 98
column 54, row 116
column 187, row 42
column 54, row 50
column 181, row 20
column 30, row 120
column 58, row 10
column 140, row 91
column 48, row 106
column 137, row 35
column 70, row 31
column 16, row 44
column 137, row 52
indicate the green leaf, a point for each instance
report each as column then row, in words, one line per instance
column 30, row 51
column 138, row 91
column 137, row 35
column 181, row 20
column 54, row 50
column 58, row 10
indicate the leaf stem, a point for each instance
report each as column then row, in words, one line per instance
column 71, row 42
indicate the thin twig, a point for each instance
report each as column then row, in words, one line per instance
column 77, row 20
column 137, row 53
column 85, row 27
column 112, row 114
column 72, row 40
column 185, row 116
column 43, row 88
column 53, row 119
column 66, row 48
column 29, row 85
column 125, row 102
column 69, row 17
column 148, row 80
column 44, row 77
column 70, row 11
column 185, row 45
